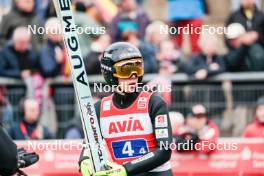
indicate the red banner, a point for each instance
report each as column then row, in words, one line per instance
column 232, row 157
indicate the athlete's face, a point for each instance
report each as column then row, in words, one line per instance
column 128, row 85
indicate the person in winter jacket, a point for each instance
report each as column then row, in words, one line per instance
column 130, row 17
column 28, row 126
column 245, row 53
column 92, row 60
column 208, row 62
column 89, row 25
column 22, row 14
column 17, row 59
column 256, row 128
column 250, row 17
column 198, row 132
column 53, row 58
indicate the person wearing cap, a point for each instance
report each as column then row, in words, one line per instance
column 134, row 123
column 244, row 54
column 199, row 132
column 256, row 128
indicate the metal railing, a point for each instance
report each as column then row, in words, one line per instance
column 245, row 90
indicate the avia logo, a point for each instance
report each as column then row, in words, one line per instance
column 125, row 126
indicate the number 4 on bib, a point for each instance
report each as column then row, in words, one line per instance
column 128, row 149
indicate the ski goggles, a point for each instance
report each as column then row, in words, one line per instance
column 127, row 68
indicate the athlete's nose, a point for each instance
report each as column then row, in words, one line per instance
column 134, row 76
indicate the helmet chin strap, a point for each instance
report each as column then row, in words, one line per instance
column 119, row 92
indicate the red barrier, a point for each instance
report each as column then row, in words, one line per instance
column 241, row 157
column 234, row 157
column 57, row 157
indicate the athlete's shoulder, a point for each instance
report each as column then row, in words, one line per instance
column 156, row 99
column 157, row 106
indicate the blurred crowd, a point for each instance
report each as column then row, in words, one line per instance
column 37, row 58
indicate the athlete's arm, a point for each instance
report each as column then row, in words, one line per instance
column 157, row 108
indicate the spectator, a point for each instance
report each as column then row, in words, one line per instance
column 186, row 14
column 170, row 59
column 130, row 18
column 250, row 17
column 18, row 60
column 53, row 58
column 206, row 63
column 45, row 9
column 236, row 4
column 153, row 35
column 92, row 61
column 89, row 26
column 256, row 128
column 150, row 63
column 53, row 63
column 74, row 130
column 22, row 14
column 169, row 62
column 6, row 109
column 198, row 130
column 100, row 12
column 50, row 10
column 28, row 126
column 245, row 54
column 177, row 122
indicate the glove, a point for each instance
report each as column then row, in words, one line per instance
column 26, row 159
column 191, row 136
column 86, row 166
column 113, row 170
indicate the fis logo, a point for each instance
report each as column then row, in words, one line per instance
column 125, row 126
